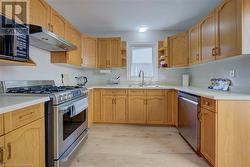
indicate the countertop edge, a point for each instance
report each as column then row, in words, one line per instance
column 212, row 94
column 14, row 107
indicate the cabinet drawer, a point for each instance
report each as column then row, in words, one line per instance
column 18, row 118
column 1, row 125
column 155, row 92
column 209, row 104
column 113, row 92
column 137, row 92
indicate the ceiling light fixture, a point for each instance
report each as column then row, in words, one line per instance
column 143, row 28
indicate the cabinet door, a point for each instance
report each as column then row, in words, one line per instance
column 120, row 112
column 1, row 125
column 172, row 107
column 208, row 38
column 1, row 151
column 103, row 52
column 89, row 46
column 194, row 46
column 108, row 108
column 58, row 24
column 115, row 52
column 26, row 145
column 90, row 108
column 208, row 129
column 229, row 29
column 74, row 57
column 179, row 50
column 137, row 109
column 40, row 13
column 97, row 105
column 155, row 109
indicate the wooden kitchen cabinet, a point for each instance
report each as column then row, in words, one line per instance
column 1, row 151
column 137, row 109
column 178, row 50
column 120, row 109
column 208, row 38
column 194, row 45
column 1, row 125
column 208, row 132
column 72, row 57
column 229, row 28
column 115, row 52
column 40, row 13
column 109, row 52
column 97, row 114
column 89, row 51
column 172, row 107
column 26, row 145
column 57, row 24
column 90, row 108
column 114, row 109
column 156, row 109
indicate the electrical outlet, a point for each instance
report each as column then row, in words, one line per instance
column 232, row 73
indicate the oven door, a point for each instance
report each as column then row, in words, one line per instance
column 71, row 123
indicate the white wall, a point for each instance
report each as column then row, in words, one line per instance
column 201, row 74
column 43, row 71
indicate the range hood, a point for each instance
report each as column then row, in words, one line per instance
column 44, row 39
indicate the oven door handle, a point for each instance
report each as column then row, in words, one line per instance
column 75, row 108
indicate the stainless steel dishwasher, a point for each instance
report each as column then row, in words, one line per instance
column 188, row 119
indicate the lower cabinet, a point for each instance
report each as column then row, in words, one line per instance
column 114, row 109
column 90, row 108
column 137, row 109
column 1, row 151
column 25, row 146
column 133, row 106
column 208, row 131
column 156, row 110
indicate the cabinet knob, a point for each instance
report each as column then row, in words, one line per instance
column 214, row 52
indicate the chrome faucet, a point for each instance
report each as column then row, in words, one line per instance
column 141, row 75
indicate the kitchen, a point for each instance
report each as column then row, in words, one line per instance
column 80, row 87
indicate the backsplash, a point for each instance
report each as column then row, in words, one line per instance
column 201, row 74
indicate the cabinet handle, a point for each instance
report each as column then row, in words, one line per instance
column 9, row 151
column 49, row 26
column 213, row 52
column 1, row 155
column 108, row 62
column 52, row 28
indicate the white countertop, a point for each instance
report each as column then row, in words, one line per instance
column 10, row 103
column 213, row 94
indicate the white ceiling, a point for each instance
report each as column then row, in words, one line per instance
column 100, row 16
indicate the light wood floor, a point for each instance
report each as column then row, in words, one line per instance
column 135, row 146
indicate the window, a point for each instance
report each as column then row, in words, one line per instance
column 142, row 57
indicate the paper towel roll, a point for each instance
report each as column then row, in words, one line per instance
column 185, row 80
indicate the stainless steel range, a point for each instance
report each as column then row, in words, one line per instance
column 70, row 112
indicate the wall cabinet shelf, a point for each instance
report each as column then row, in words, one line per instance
column 4, row 62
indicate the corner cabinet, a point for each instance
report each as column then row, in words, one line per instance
column 23, row 141
column 178, row 50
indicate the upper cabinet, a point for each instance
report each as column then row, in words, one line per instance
column 229, row 28
column 178, row 50
column 40, row 13
column 109, row 52
column 194, row 42
column 89, row 55
column 57, row 24
column 208, row 37
column 74, row 36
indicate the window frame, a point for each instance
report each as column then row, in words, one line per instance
column 154, row 61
